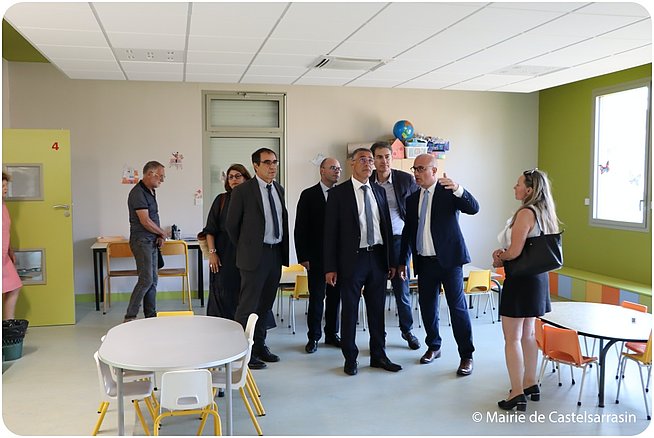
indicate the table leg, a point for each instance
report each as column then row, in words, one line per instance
column 101, row 279
column 200, row 277
column 95, row 283
column 602, row 370
column 121, row 401
column 228, row 393
column 499, row 297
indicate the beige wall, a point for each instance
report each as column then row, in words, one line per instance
column 493, row 136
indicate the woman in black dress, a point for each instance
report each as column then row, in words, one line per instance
column 524, row 298
column 224, row 277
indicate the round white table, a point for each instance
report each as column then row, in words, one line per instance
column 174, row 343
column 605, row 322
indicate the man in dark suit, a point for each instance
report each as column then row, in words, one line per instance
column 398, row 185
column 357, row 253
column 257, row 223
column 309, row 234
column 432, row 232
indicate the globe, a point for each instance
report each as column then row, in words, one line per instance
column 403, row 130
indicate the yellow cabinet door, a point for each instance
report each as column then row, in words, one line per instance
column 42, row 222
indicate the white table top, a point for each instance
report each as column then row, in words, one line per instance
column 173, row 343
column 606, row 321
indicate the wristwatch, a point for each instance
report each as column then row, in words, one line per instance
column 212, row 251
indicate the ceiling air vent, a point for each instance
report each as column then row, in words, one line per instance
column 338, row 63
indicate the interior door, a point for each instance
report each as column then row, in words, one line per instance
column 41, row 222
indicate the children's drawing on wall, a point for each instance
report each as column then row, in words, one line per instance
column 197, row 197
column 176, row 160
column 604, row 168
column 130, row 175
column 317, row 159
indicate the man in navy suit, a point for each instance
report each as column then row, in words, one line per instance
column 432, row 232
column 398, row 185
column 309, row 234
column 257, row 223
column 358, row 248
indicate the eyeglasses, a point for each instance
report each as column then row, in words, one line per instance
column 365, row 160
column 335, row 168
column 234, row 176
column 419, row 169
column 270, row 162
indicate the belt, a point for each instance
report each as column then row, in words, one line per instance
column 271, row 245
column 369, row 248
column 428, row 257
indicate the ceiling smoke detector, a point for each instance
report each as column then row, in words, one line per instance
column 340, row 63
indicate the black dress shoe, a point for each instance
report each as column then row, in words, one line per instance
column 311, row 346
column 533, row 391
column 256, row 364
column 413, row 342
column 465, row 367
column 351, row 367
column 386, row 364
column 519, row 402
column 334, row 340
column 430, row 355
column 266, row 355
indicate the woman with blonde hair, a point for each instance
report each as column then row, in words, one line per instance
column 11, row 283
column 524, row 298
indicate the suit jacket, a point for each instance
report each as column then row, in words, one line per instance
column 342, row 230
column 246, row 224
column 404, row 184
column 310, row 226
column 445, row 231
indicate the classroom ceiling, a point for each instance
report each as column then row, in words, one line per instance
column 509, row 47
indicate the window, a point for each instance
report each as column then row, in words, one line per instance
column 620, row 173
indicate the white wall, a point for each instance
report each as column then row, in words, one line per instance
column 493, row 138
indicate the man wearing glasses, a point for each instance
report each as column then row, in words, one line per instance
column 257, row 224
column 432, row 233
column 358, row 250
column 398, row 185
column 309, row 230
column 145, row 239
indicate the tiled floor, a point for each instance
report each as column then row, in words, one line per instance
column 53, row 389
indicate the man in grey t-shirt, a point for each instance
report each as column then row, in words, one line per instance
column 145, row 238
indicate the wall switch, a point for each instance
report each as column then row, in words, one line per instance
column 586, row 201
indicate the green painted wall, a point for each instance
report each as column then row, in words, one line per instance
column 565, row 152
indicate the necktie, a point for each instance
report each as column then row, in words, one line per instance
column 422, row 220
column 273, row 210
column 370, row 230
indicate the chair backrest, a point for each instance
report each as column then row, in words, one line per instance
column 119, row 250
column 562, row 344
column 647, row 355
column 634, row 306
column 176, row 313
column 108, row 386
column 174, row 247
column 249, row 327
column 502, row 275
column 185, row 389
column 293, row 268
column 301, row 286
column 478, row 281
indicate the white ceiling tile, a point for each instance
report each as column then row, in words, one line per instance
column 147, row 41
column 155, row 76
column 332, row 82
column 82, row 38
column 95, row 75
column 60, row 16
column 539, row 6
column 381, row 50
column 641, row 30
column 215, row 69
column 632, row 9
column 155, row 18
column 585, row 52
column 299, row 47
column 427, row 85
column 224, row 44
column 396, row 75
column 583, row 25
column 486, row 82
column 87, row 65
column 284, row 60
column 147, row 67
column 201, row 77
column 327, row 73
column 377, row 83
column 247, row 19
column 254, row 79
column 219, row 58
column 274, row 70
column 76, row 52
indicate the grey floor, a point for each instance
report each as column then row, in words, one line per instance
column 53, row 389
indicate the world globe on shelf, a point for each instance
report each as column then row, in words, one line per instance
column 403, row 130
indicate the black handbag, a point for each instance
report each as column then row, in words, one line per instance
column 160, row 259
column 540, row 254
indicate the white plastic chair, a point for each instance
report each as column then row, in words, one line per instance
column 134, row 391
column 187, row 392
column 240, row 379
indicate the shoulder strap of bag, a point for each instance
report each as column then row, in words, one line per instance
column 533, row 210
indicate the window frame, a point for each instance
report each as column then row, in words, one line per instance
column 643, row 226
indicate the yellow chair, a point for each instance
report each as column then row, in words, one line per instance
column 177, row 248
column 187, row 392
column 562, row 346
column 176, row 313
column 643, row 359
column 134, row 391
column 116, row 250
column 301, row 290
column 478, row 284
column 286, row 284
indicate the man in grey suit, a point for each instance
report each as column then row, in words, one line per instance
column 257, row 223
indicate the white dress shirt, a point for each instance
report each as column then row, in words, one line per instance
column 358, row 194
column 269, row 233
column 428, row 249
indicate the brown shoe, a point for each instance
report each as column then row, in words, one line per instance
column 465, row 367
column 430, row 355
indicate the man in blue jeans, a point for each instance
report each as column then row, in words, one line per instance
column 145, row 238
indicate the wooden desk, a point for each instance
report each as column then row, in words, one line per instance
column 606, row 322
column 165, row 344
column 100, row 249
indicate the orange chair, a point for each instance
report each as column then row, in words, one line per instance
column 632, row 347
column 540, row 337
column 562, row 346
column 643, row 359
